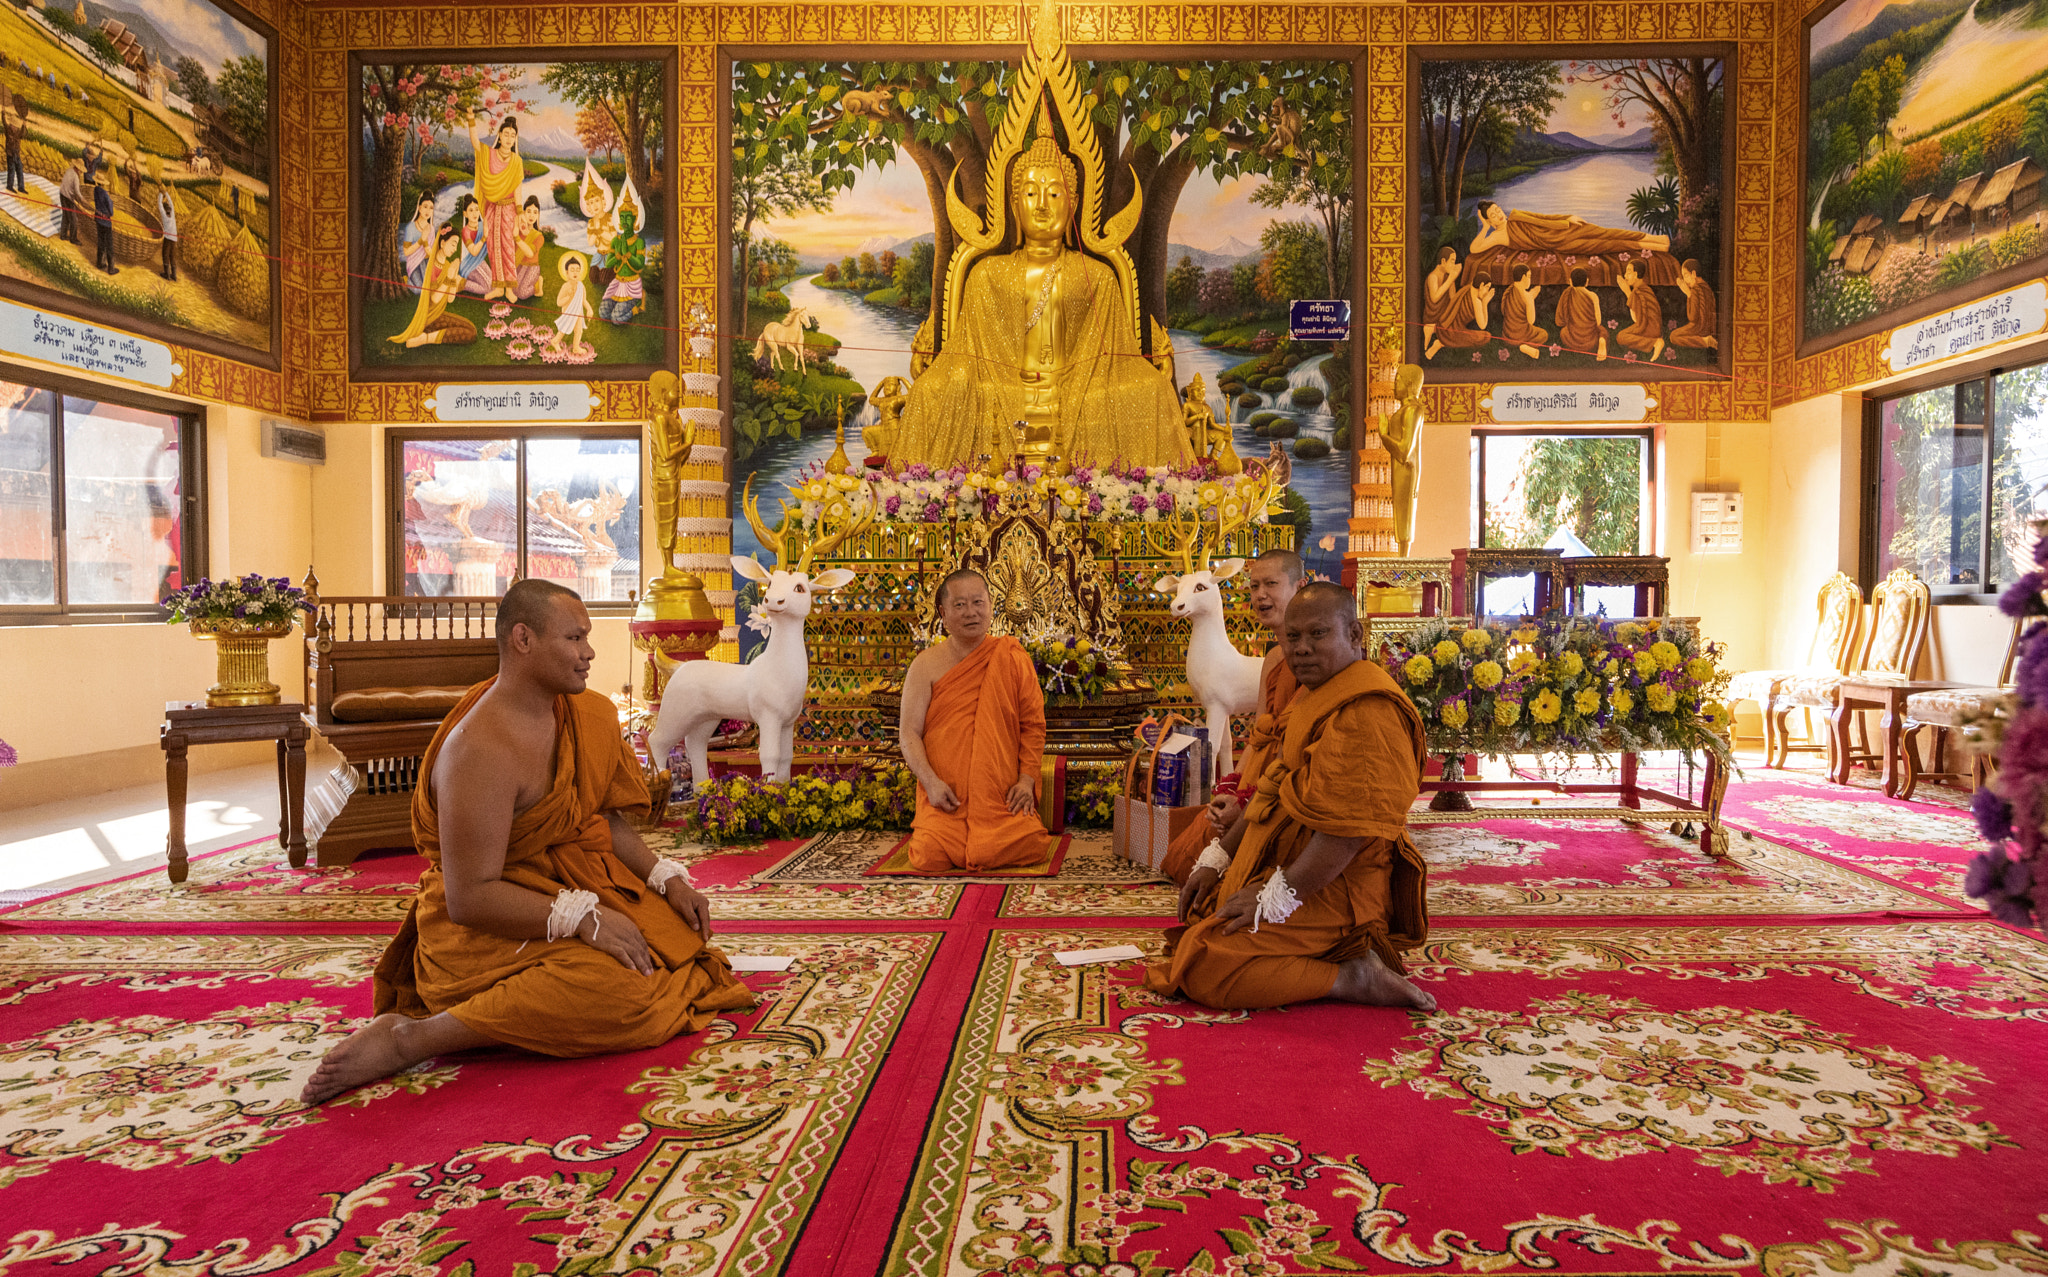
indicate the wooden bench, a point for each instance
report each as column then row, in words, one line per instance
column 381, row 673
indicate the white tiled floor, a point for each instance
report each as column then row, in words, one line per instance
column 86, row 840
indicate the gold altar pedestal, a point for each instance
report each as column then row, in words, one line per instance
column 242, row 665
column 675, row 622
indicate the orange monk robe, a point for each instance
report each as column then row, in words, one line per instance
column 1518, row 325
column 565, row 997
column 1578, row 320
column 1192, row 832
column 1459, row 326
column 1648, row 314
column 1698, row 328
column 985, row 727
column 1350, row 765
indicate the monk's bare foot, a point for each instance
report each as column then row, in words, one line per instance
column 1371, row 982
column 369, row 1053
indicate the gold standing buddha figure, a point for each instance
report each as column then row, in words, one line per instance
column 1042, row 339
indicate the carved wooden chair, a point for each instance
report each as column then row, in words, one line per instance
column 1838, row 624
column 1895, row 641
column 1944, row 711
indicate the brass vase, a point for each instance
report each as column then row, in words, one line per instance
column 243, row 651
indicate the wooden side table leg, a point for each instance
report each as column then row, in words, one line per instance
column 174, row 784
column 295, row 799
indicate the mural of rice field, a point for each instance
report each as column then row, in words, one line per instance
column 1926, row 141
column 139, row 155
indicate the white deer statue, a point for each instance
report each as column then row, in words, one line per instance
column 1224, row 680
column 769, row 690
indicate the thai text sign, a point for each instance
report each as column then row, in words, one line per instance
column 1569, row 403
column 73, row 343
column 2002, row 317
column 494, row 402
column 1319, row 320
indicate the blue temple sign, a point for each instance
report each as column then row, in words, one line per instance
column 1319, row 320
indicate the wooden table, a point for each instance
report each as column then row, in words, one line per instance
column 1859, row 692
column 189, row 723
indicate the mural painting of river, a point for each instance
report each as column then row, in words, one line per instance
column 1568, row 216
column 1926, row 141
column 1246, row 176
column 514, row 216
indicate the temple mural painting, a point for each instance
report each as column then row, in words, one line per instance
column 515, row 216
column 1926, row 141
column 1568, row 217
column 139, row 154
column 841, row 238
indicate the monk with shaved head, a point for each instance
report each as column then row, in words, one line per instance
column 542, row 920
column 1320, row 887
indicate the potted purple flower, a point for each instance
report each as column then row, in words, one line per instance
column 239, row 615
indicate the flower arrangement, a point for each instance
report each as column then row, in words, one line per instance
column 254, row 599
column 1078, row 669
column 922, row 494
column 741, row 809
column 1566, row 685
column 1091, row 794
column 2011, row 875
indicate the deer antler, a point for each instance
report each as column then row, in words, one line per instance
column 1252, row 498
column 772, row 540
column 1185, row 534
column 830, row 541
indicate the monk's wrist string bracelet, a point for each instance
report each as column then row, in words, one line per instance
column 1276, row 900
column 1214, row 857
column 570, row 908
column 665, row 869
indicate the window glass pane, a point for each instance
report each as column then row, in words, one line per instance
column 28, row 568
column 2020, row 470
column 583, row 515
column 1931, row 454
column 121, row 508
column 460, row 535
column 1581, row 494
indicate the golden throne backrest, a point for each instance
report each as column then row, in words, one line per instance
column 1898, row 624
column 1841, row 617
column 1037, row 572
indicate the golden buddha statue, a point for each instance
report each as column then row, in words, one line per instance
column 1401, row 433
column 1041, row 355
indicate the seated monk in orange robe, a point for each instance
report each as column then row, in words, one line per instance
column 1697, row 332
column 541, row 921
column 1518, row 326
column 1271, row 580
column 1464, row 322
column 1645, row 334
column 1323, row 888
column 973, row 731
column 1578, row 318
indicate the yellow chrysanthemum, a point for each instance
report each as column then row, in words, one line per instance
column 1716, row 715
column 1570, row 665
column 1526, row 634
column 1666, row 654
column 1586, row 701
column 1611, row 667
column 1506, row 712
column 1627, row 632
column 1523, row 662
column 1445, row 653
column 1646, row 665
column 1419, row 669
column 1546, row 707
column 1476, row 640
column 1486, row 674
column 1454, row 714
column 1700, row 670
column 1661, row 698
column 1084, row 647
column 1623, row 701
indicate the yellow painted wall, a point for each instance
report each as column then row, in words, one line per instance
column 82, row 703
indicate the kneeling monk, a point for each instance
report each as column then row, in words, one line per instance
column 1270, row 582
column 1320, row 887
column 973, row 730
column 541, row 921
